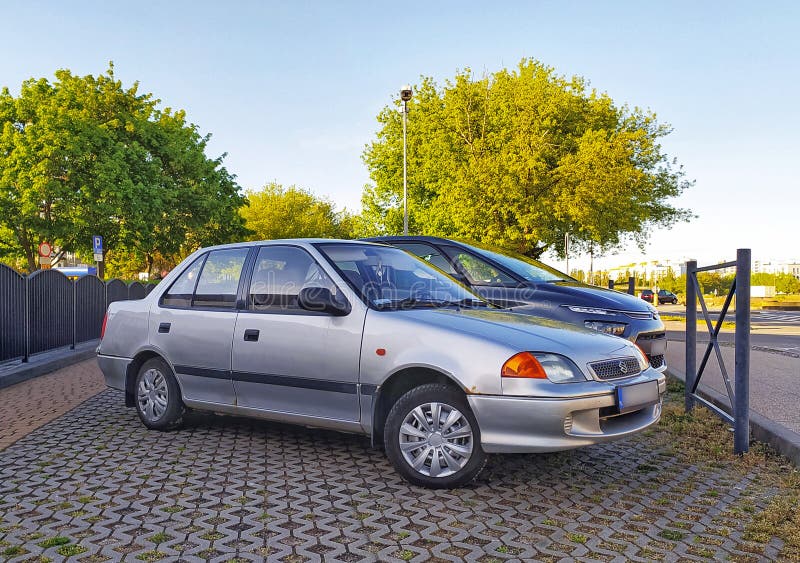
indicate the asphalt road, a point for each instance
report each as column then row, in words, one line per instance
column 757, row 318
column 789, row 343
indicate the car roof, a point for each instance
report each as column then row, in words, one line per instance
column 300, row 241
column 402, row 238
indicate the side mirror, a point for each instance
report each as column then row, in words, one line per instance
column 321, row 300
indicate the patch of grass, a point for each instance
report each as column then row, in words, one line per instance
column 153, row 555
column 549, row 522
column 56, row 540
column 172, row 509
column 160, row 537
column 577, row 538
column 672, row 535
column 213, row 536
column 13, row 550
column 405, row 555
column 71, row 549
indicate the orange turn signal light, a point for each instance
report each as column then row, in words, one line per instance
column 525, row 365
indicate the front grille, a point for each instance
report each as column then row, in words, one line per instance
column 612, row 369
column 657, row 361
column 643, row 315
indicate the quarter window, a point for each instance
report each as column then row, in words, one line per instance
column 219, row 279
column 280, row 272
column 180, row 293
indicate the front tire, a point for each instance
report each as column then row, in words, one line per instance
column 432, row 438
column 158, row 397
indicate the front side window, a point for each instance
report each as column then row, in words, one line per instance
column 180, row 293
column 219, row 279
column 427, row 253
column 527, row 268
column 280, row 272
column 390, row 278
column 479, row 271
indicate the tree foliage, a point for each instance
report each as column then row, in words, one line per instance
column 519, row 158
column 276, row 212
column 83, row 155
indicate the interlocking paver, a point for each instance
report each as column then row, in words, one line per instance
column 225, row 488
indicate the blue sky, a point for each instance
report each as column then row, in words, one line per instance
column 290, row 90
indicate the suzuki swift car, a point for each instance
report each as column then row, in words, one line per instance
column 534, row 288
column 365, row 338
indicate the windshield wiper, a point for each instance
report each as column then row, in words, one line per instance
column 412, row 302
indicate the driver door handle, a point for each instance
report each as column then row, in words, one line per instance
column 251, row 335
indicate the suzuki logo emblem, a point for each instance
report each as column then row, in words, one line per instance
column 623, row 368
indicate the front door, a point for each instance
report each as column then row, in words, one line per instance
column 193, row 325
column 287, row 359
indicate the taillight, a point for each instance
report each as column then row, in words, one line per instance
column 103, row 326
column 525, row 365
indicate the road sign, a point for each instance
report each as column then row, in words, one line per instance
column 97, row 245
column 45, row 250
column 98, row 256
column 44, row 261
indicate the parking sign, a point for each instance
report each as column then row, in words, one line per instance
column 97, row 244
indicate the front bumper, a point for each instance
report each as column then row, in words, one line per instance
column 115, row 370
column 548, row 424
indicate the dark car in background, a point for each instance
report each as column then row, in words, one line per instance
column 530, row 287
column 664, row 296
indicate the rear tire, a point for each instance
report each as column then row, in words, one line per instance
column 433, row 439
column 157, row 396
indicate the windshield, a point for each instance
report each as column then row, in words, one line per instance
column 527, row 268
column 388, row 277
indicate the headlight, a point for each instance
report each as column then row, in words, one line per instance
column 590, row 310
column 644, row 363
column 540, row 365
column 609, row 328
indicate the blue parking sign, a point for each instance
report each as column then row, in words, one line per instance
column 97, row 244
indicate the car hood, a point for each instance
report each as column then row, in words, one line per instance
column 525, row 332
column 572, row 293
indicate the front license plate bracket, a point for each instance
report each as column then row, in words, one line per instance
column 636, row 396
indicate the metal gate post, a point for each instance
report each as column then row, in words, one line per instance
column 631, row 286
column 610, row 284
column 27, row 326
column 74, row 313
column 691, row 333
column 741, row 409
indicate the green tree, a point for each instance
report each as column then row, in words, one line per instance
column 276, row 212
column 517, row 159
column 83, row 155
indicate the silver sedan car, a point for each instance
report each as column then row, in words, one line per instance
column 365, row 338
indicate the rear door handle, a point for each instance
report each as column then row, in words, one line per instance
column 251, row 335
column 164, row 327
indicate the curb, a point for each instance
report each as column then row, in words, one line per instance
column 763, row 429
column 46, row 362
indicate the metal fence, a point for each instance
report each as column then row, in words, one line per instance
column 46, row 310
column 739, row 392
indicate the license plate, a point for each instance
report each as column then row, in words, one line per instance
column 636, row 396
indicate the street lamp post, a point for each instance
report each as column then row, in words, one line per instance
column 405, row 96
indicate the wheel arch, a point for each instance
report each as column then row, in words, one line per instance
column 399, row 383
column 133, row 371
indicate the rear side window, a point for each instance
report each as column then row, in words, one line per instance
column 180, row 293
column 219, row 279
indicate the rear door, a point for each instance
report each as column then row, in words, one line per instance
column 193, row 325
column 287, row 359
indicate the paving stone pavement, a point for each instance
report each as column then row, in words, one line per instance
column 30, row 404
column 97, row 485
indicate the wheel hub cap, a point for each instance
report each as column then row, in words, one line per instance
column 436, row 439
column 152, row 395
